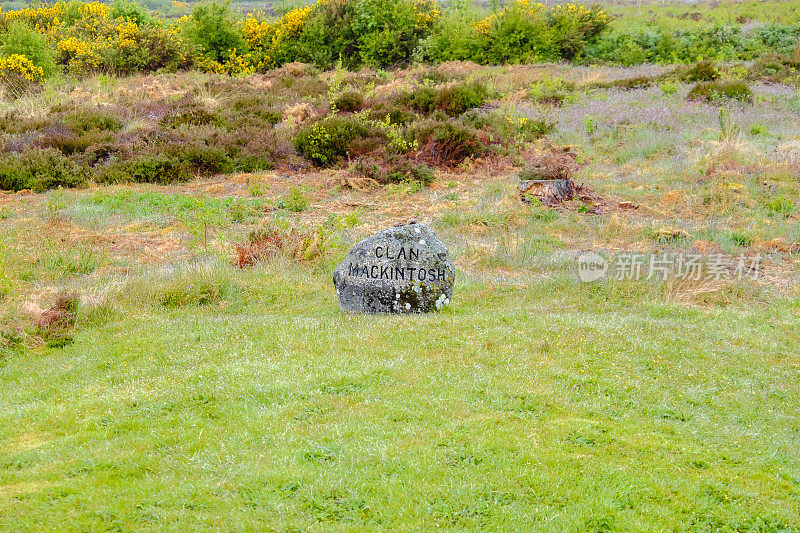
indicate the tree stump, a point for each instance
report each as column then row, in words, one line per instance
column 547, row 191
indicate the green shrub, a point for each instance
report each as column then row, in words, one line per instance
column 145, row 169
column 712, row 90
column 199, row 158
column 702, row 71
column 23, row 40
column 349, row 102
column 40, row 170
column 780, row 206
column 376, row 33
column 457, row 99
column 212, row 28
column 550, row 91
column 129, row 10
column 326, row 142
column 422, row 99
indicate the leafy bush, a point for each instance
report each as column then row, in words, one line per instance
column 712, row 90
column 212, row 28
column 328, row 141
column 376, row 33
column 129, row 10
column 295, row 201
column 524, row 32
column 39, row 170
column 199, row 158
column 550, row 91
column 21, row 39
column 188, row 113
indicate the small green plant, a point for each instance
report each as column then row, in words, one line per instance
column 398, row 143
column 590, row 123
column 758, row 129
column 296, row 200
column 780, row 206
column 411, row 173
column 669, row 88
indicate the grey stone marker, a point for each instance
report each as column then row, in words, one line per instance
column 404, row 269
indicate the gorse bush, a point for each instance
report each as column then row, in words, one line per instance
column 525, row 32
column 88, row 37
column 21, row 39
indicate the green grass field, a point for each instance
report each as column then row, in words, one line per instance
column 190, row 394
column 541, row 405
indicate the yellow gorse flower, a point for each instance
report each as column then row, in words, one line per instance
column 21, row 66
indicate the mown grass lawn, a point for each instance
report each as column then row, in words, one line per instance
column 545, row 405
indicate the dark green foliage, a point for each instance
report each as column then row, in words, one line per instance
column 702, row 71
column 252, row 109
column 453, row 100
column 457, row 99
column 326, row 142
column 422, row 99
column 199, row 158
column 86, row 120
column 376, row 33
column 145, row 169
column 349, row 102
column 39, row 170
column 712, row 90
column 637, row 82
